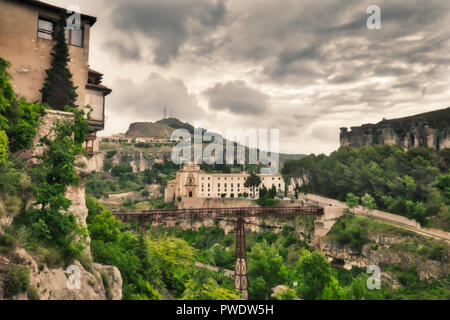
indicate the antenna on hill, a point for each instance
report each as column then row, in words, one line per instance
column 171, row 113
column 165, row 112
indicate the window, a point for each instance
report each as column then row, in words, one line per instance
column 45, row 29
column 75, row 37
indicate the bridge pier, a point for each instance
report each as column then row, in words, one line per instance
column 240, row 268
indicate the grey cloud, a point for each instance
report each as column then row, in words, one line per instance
column 237, row 97
column 145, row 100
column 166, row 23
column 124, row 52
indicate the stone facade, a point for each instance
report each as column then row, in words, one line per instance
column 192, row 183
column 405, row 132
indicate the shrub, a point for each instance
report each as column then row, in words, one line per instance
column 110, row 154
column 33, row 294
column 7, row 240
column 107, row 165
column 17, row 281
column 267, row 202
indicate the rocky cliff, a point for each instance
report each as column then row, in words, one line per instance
column 97, row 282
column 431, row 129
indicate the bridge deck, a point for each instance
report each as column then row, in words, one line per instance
column 163, row 215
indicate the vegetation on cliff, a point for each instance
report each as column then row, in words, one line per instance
column 406, row 183
column 45, row 226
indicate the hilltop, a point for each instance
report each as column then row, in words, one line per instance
column 162, row 129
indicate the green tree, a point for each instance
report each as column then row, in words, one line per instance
column 352, row 201
column 265, row 263
column 58, row 89
column 3, row 146
column 358, row 289
column 369, row 202
column 252, row 182
column 316, row 279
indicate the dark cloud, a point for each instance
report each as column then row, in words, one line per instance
column 123, row 51
column 237, row 97
column 167, row 23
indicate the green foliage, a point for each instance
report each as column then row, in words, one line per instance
column 358, row 289
column 105, row 227
column 267, row 202
column 18, row 119
column 58, row 89
column 400, row 182
column 316, row 278
column 32, row 294
column 352, row 200
column 110, row 154
column 369, row 202
column 207, row 285
column 121, row 169
column 18, row 280
column 3, row 146
column 349, row 232
column 252, row 181
column 266, row 269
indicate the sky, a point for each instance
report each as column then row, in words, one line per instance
column 305, row 67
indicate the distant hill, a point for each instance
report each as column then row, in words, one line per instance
column 176, row 124
column 163, row 129
column 149, row 130
column 160, row 129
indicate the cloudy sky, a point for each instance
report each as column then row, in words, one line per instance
column 306, row 67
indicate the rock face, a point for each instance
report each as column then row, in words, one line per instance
column 97, row 282
column 427, row 269
column 430, row 129
column 52, row 283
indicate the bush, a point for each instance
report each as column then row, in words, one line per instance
column 110, row 154
column 33, row 294
column 17, row 281
column 107, row 165
column 267, row 202
column 7, row 240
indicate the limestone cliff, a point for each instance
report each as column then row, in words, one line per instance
column 430, row 129
column 98, row 282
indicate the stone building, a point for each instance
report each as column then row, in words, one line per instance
column 192, row 182
column 26, row 40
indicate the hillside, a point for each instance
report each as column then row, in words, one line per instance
column 163, row 129
column 149, row 130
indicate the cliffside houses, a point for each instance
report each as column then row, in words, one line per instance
column 26, row 40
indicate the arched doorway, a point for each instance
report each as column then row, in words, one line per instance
column 190, row 194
